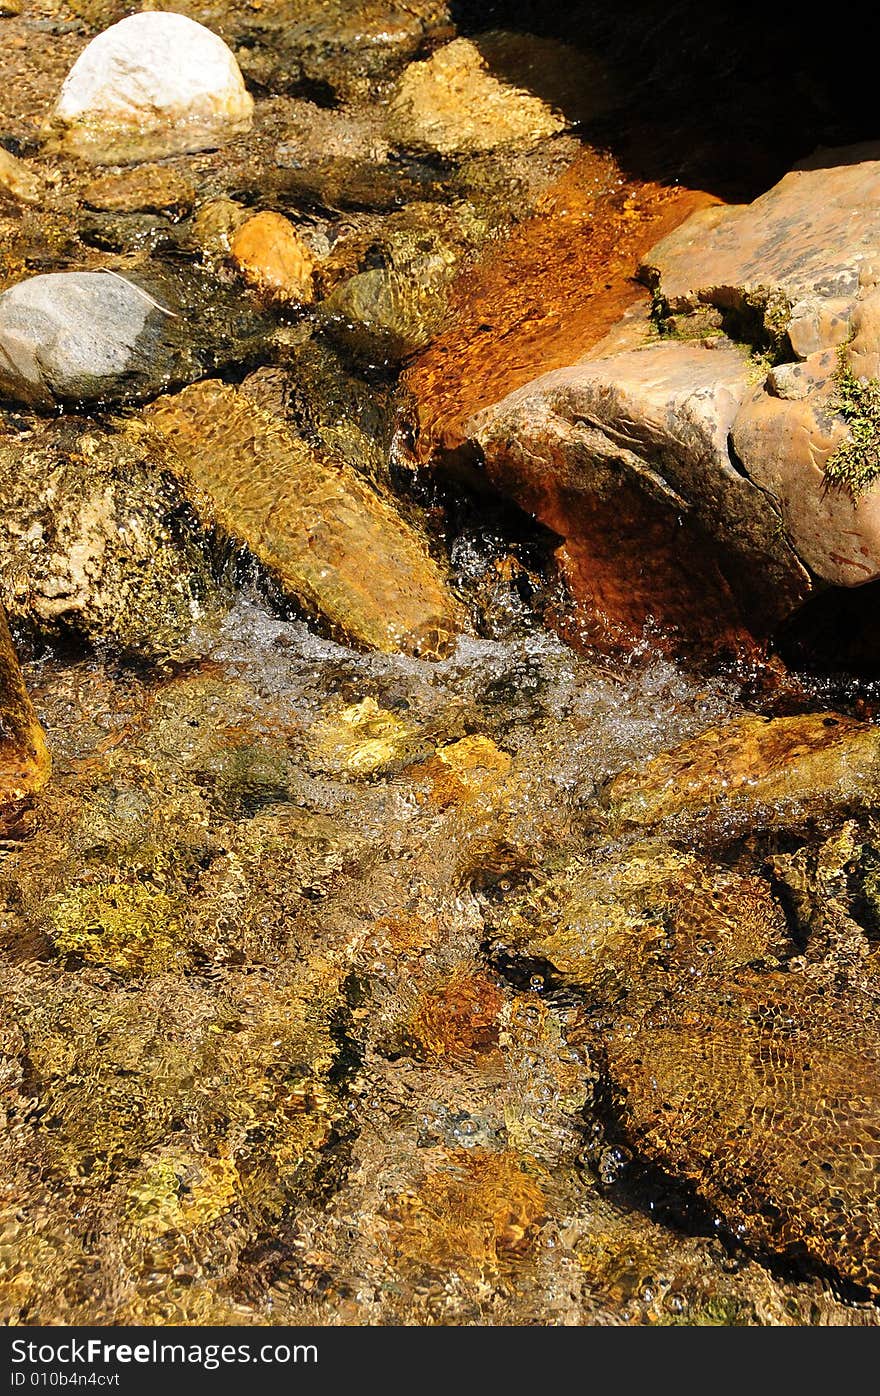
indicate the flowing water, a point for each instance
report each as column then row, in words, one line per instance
column 270, row 1055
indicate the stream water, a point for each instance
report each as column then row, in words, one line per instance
column 271, row 1051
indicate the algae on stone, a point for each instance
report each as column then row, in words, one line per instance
column 856, row 464
column 128, row 928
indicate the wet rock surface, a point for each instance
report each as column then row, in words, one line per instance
column 637, row 443
column 273, row 259
column 78, row 336
column 100, row 337
column 742, row 1077
column 25, row 764
column 99, row 542
column 755, row 764
column 332, row 544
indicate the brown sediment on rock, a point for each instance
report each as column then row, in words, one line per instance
column 544, row 296
column 632, row 569
column 25, row 764
column 329, row 540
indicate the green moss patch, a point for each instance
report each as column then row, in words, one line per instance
column 856, row 464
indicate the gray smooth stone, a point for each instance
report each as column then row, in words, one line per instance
column 81, row 336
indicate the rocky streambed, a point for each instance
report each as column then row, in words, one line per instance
column 440, row 780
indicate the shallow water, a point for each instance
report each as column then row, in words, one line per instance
column 267, row 1055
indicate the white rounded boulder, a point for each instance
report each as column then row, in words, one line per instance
column 155, row 84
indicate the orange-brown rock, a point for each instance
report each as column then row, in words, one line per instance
column 328, row 539
column 755, row 767
column 25, row 763
column 466, row 770
column 271, row 256
column 458, row 1018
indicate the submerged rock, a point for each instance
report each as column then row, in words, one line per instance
column 763, row 1099
column 271, row 257
column 363, row 739
column 755, row 769
column 97, row 541
column 388, row 312
column 149, row 189
column 18, row 182
column 25, row 764
column 748, row 1078
column 331, row 543
column 452, row 104
column 155, row 84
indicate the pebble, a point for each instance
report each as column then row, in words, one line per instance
column 271, row 256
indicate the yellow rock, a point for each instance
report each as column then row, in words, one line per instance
column 25, row 764
column 453, row 105
column 331, row 542
column 131, row 929
column 17, row 181
column 478, row 1212
column 362, row 738
column 182, row 1192
column 271, row 257
column 462, row 770
column 754, row 763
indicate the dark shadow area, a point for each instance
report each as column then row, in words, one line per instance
column 835, row 632
column 721, row 97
